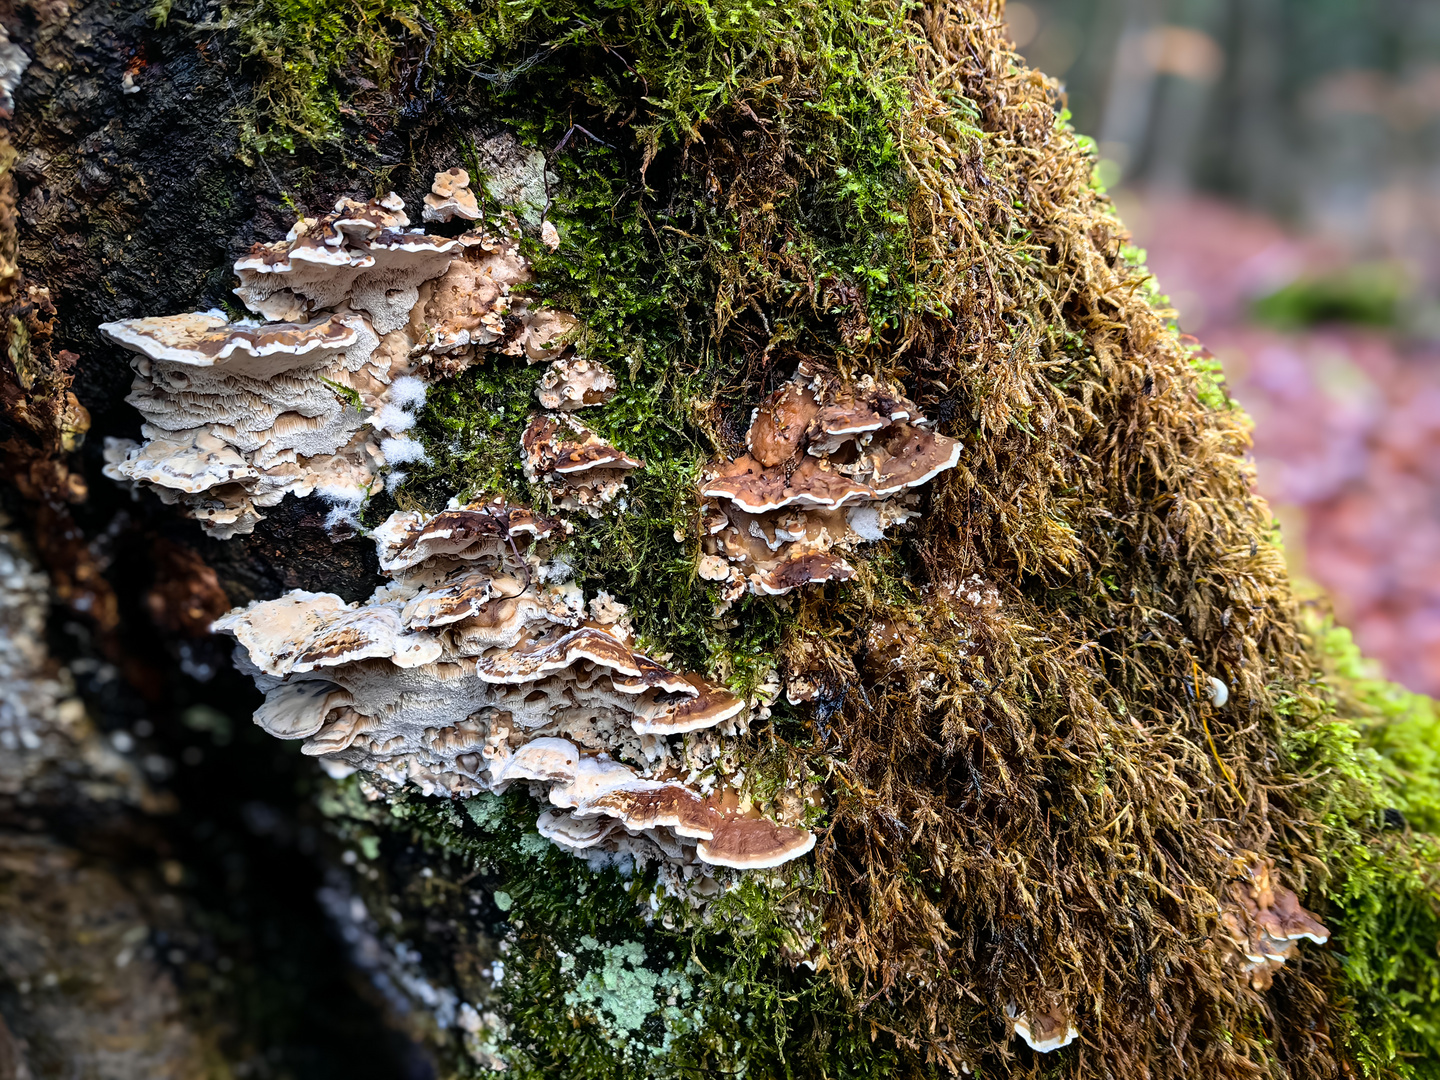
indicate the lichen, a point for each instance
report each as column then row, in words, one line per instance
column 624, row 993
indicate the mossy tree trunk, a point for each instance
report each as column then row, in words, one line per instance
column 1031, row 796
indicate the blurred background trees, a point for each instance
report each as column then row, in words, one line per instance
column 1279, row 160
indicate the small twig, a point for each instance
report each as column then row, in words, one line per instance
column 1224, row 769
column 574, row 128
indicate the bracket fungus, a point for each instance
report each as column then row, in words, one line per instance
column 1262, row 923
column 1047, row 1031
column 450, row 197
column 466, row 674
column 574, row 382
column 360, row 254
column 581, row 470
column 831, row 464
column 238, row 415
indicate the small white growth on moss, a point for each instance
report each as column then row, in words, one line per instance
column 407, row 392
column 392, row 418
column 403, row 450
column 1219, row 692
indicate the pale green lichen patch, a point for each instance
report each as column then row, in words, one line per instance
column 626, row 995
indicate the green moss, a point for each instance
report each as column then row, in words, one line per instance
column 594, row 988
column 1370, row 294
column 1401, row 729
column 673, row 275
column 1380, row 753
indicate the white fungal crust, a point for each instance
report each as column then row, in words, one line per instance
column 238, row 415
column 831, row 464
column 581, row 470
column 466, row 674
column 1262, row 922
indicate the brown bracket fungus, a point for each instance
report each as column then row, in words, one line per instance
column 361, row 254
column 467, row 674
column 1262, row 923
column 831, row 464
column 581, row 470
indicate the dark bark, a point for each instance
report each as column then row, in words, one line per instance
column 134, row 204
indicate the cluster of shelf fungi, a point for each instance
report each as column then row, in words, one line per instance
column 478, row 666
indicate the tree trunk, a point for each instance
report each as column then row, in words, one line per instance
column 729, row 566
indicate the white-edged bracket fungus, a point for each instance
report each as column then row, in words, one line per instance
column 466, row 674
column 582, row 470
column 831, row 464
column 1047, row 1031
column 362, row 254
column 238, row 415
column 1262, row 922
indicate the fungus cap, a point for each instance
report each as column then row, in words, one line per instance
column 450, row 197
column 1046, row 1032
column 202, row 339
column 298, row 710
column 754, row 844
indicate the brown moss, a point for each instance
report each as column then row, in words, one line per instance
column 1031, row 801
